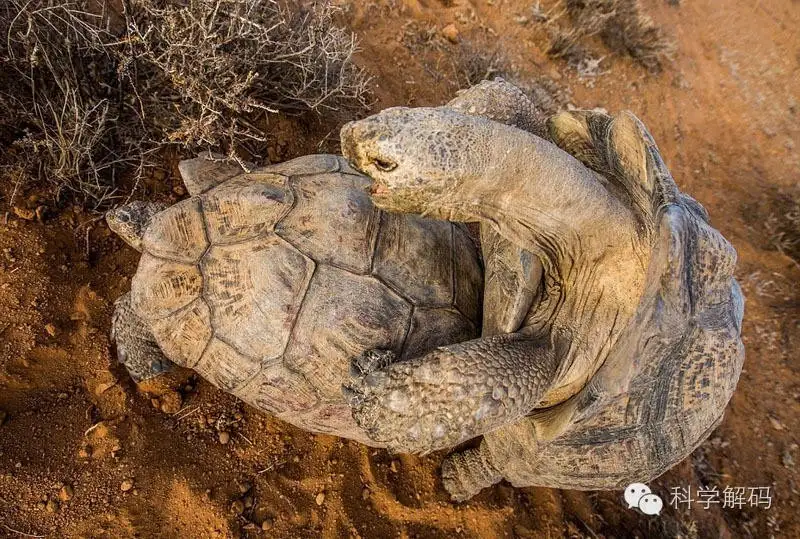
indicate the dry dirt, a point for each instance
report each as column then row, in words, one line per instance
column 84, row 453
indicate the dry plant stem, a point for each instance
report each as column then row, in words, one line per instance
column 91, row 95
column 620, row 24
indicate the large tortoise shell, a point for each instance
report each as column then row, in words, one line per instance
column 270, row 283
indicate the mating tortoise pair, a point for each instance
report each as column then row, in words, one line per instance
column 611, row 319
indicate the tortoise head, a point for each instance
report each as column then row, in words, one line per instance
column 416, row 156
column 130, row 220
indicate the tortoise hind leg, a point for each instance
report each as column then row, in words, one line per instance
column 137, row 349
column 468, row 472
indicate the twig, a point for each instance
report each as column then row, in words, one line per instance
column 90, row 429
column 271, row 466
column 21, row 533
column 187, row 414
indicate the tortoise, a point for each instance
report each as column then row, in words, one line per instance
column 619, row 345
column 268, row 283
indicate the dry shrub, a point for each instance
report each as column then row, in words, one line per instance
column 475, row 64
column 783, row 224
column 228, row 60
column 620, row 24
column 88, row 93
column 60, row 103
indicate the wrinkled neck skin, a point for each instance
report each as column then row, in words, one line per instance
column 588, row 242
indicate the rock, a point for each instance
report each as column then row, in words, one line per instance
column 365, row 493
column 171, row 402
column 266, row 524
column 50, row 329
column 777, row 425
column 248, row 502
column 224, row 438
column 237, row 507
column 52, row 506
column 450, row 32
column 261, row 512
column 320, row 499
column 24, row 213
column 126, row 485
column 66, row 493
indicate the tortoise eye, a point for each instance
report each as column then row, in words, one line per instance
column 384, row 165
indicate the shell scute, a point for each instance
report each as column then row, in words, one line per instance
column 334, row 328
column 177, row 233
column 415, row 257
column 255, row 291
column 161, row 287
column 246, row 207
column 346, row 236
column 183, row 336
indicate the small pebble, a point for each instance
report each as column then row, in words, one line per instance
column 777, row 425
column 320, row 499
column 224, row 438
column 24, row 213
column 66, row 493
column 295, row 459
column 171, row 402
column 126, row 485
column 267, row 524
column 450, row 32
column 52, row 506
column 245, row 487
column 365, row 493
column 237, row 507
column 85, row 452
column 50, row 329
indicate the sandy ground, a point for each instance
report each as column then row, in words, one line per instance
column 84, row 453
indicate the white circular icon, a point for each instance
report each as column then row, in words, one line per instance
column 651, row 504
column 634, row 493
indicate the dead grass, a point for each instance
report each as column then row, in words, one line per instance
column 621, row 26
column 783, row 224
column 475, row 64
column 89, row 93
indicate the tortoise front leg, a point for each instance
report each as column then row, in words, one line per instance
column 453, row 393
column 137, row 349
column 467, row 472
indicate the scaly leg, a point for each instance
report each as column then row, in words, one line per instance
column 453, row 393
column 136, row 347
column 466, row 473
